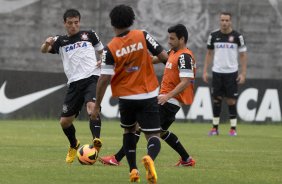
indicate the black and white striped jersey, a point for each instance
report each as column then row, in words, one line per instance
column 78, row 54
column 226, row 48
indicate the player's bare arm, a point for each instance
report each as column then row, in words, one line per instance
column 243, row 62
column 99, row 62
column 184, row 83
column 155, row 60
column 207, row 62
column 162, row 57
column 47, row 45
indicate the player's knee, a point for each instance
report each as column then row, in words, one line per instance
column 149, row 135
column 232, row 111
column 65, row 122
column 90, row 106
column 231, row 101
column 217, row 106
column 130, row 129
column 217, row 99
column 164, row 134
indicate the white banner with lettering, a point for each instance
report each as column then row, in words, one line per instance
column 254, row 104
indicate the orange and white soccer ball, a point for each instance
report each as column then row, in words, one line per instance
column 87, row 154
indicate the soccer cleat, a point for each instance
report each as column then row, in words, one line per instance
column 151, row 174
column 213, row 132
column 232, row 132
column 97, row 143
column 189, row 163
column 109, row 160
column 134, row 176
column 72, row 152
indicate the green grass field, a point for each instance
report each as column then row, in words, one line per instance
column 34, row 152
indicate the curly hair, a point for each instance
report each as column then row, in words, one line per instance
column 122, row 16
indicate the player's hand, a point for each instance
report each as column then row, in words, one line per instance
column 205, row 77
column 162, row 99
column 241, row 79
column 99, row 63
column 49, row 41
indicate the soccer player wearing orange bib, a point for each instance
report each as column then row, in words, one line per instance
column 177, row 88
column 126, row 62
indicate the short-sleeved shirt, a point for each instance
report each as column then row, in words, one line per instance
column 226, row 48
column 78, row 54
column 180, row 63
column 127, row 58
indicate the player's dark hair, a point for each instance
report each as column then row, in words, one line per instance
column 122, row 16
column 180, row 31
column 71, row 13
column 226, row 13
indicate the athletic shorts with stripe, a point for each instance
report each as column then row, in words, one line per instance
column 78, row 93
column 225, row 85
column 167, row 115
column 145, row 112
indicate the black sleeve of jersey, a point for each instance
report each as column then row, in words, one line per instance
column 241, row 40
column 210, row 42
column 107, row 57
column 153, row 46
column 185, row 61
column 94, row 38
column 56, row 45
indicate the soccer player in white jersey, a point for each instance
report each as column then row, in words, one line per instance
column 77, row 50
column 223, row 46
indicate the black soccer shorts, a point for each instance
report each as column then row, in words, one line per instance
column 145, row 112
column 78, row 93
column 225, row 85
column 167, row 115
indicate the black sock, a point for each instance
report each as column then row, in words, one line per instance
column 154, row 147
column 129, row 145
column 172, row 140
column 70, row 133
column 215, row 126
column 120, row 154
column 95, row 127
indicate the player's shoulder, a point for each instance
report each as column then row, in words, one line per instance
column 215, row 32
column 60, row 38
column 185, row 55
column 235, row 33
column 139, row 31
column 88, row 32
column 144, row 31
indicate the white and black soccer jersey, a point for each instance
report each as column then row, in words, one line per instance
column 226, row 48
column 78, row 54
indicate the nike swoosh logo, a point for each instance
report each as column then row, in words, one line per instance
column 10, row 105
column 8, row 6
column 112, row 162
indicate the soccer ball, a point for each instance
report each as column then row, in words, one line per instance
column 87, row 154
